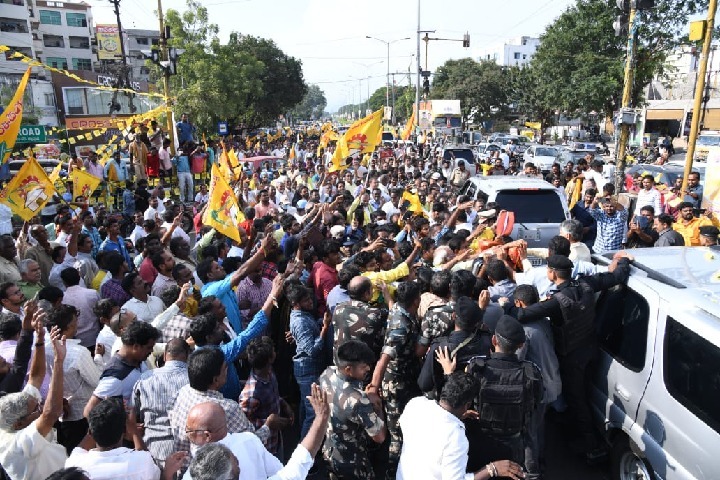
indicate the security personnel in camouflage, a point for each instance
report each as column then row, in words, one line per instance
column 399, row 366
column 510, row 390
column 438, row 321
column 357, row 320
column 353, row 418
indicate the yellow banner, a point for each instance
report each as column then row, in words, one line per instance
column 84, row 184
column 11, row 119
column 533, row 125
column 223, row 212
column 409, row 127
column 108, row 42
column 361, row 137
column 29, row 191
column 55, row 174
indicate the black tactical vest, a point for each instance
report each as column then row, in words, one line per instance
column 506, row 394
column 577, row 303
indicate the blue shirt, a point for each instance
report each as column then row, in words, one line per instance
column 222, row 289
column 95, row 235
column 182, row 163
column 119, row 246
column 697, row 189
column 232, row 350
column 305, row 330
column 120, row 170
column 128, row 202
column 610, row 230
column 185, row 132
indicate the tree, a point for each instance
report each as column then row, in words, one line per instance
column 579, row 65
column 312, row 105
column 248, row 81
column 481, row 87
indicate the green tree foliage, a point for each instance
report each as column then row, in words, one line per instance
column 482, row 87
column 579, row 65
column 248, row 81
column 312, row 105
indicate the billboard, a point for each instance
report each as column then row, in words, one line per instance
column 108, row 40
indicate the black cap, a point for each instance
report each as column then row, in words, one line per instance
column 510, row 329
column 560, row 262
column 467, row 309
column 709, row 231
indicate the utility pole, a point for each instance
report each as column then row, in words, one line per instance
column 419, row 70
column 626, row 99
column 699, row 90
column 387, row 84
column 123, row 75
column 166, row 78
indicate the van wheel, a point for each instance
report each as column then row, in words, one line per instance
column 626, row 465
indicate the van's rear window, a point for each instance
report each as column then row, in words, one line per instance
column 532, row 206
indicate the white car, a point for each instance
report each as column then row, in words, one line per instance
column 541, row 156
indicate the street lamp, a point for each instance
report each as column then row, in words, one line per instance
column 367, row 71
column 387, row 43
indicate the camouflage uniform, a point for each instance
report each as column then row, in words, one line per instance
column 352, row 422
column 436, row 323
column 356, row 320
column 399, row 384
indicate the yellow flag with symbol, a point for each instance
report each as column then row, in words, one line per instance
column 11, row 119
column 223, row 212
column 361, row 137
column 84, row 184
column 409, row 127
column 55, row 174
column 28, row 191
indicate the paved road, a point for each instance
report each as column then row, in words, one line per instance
column 562, row 464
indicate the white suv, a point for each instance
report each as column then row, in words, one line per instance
column 656, row 389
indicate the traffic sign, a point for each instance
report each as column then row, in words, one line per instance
column 31, row 134
column 222, row 128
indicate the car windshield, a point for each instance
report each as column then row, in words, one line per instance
column 452, row 122
column 709, row 140
column 459, row 153
column 545, row 152
column 532, row 206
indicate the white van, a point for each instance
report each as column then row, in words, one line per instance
column 538, row 206
column 656, row 389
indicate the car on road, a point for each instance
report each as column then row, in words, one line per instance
column 460, row 153
column 538, row 206
column 656, row 386
column 666, row 174
column 542, row 156
column 566, row 156
column 486, row 150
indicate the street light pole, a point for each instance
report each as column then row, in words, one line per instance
column 387, row 81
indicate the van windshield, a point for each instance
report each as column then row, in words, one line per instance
column 708, row 140
column 459, row 153
column 532, row 206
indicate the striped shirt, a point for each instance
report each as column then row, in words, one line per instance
column 152, row 394
column 248, row 290
column 81, row 376
column 188, row 397
column 610, row 230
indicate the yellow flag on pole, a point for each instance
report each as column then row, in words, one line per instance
column 28, row 191
column 233, row 158
column 224, row 167
column 414, row 199
column 361, row 137
column 292, row 153
column 55, row 174
column 11, row 119
column 223, row 212
column 575, row 195
column 409, row 127
column 84, row 184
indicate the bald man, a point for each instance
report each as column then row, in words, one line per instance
column 206, row 424
column 357, row 320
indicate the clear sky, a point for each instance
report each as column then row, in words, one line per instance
column 329, row 35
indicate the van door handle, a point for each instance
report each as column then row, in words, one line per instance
column 624, row 394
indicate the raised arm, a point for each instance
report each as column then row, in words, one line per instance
column 54, row 403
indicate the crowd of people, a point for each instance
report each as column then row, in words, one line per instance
column 373, row 316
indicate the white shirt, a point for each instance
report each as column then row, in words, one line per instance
column 150, row 214
column 597, row 177
column 118, row 463
column 442, row 455
column 580, row 251
column 145, row 311
column 107, row 338
column 137, row 233
column 5, row 220
column 390, row 209
column 27, row 455
column 253, row 458
column 648, row 197
column 202, row 198
column 81, row 376
column 178, row 232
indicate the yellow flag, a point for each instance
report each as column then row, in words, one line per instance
column 11, row 119
column 29, row 191
column 224, row 164
column 222, row 213
column 534, row 125
column 55, row 174
column 292, row 153
column 361, row 137
column 414, row 199
column 234, row 160
column 409, row 127
column 84, row 184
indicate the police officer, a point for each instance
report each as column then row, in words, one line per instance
column 353, row 418
column 709, row 235
column 465, row 342
column 399, row 366
column 510, row 389
column 572, row 315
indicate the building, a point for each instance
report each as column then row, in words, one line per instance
column 15, row 33
column 62, row 33
column 518, row 51
column 137, row 41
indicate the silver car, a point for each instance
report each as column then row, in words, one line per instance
column 656, row 390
